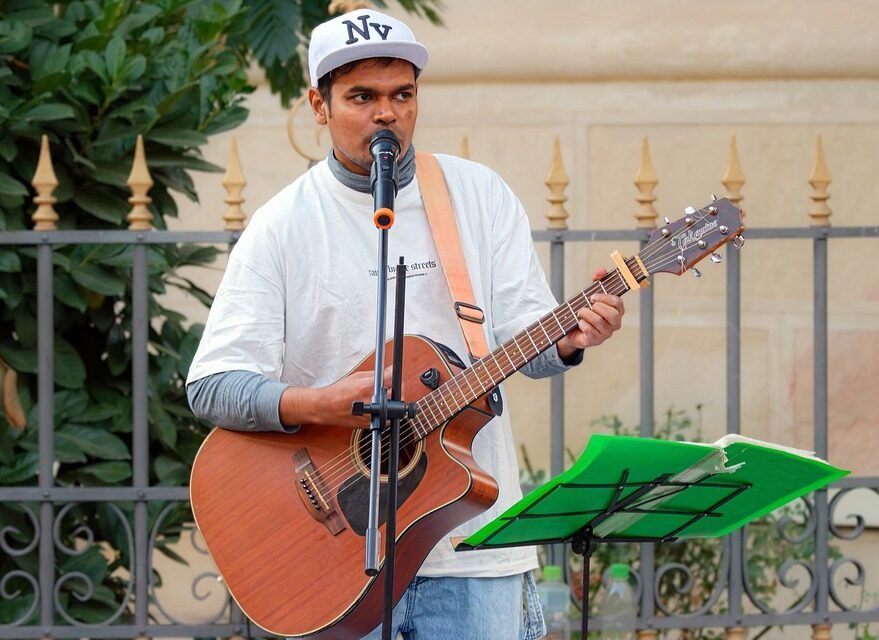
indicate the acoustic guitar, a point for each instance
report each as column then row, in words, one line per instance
column 284, row 515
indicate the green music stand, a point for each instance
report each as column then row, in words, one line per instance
column 625, row 489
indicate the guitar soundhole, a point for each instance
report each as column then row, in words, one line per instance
column 411, row 448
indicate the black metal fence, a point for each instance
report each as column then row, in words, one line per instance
column 732, row 604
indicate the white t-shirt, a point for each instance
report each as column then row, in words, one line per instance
column 297, row 304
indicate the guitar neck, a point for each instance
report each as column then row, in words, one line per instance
column 489, row 371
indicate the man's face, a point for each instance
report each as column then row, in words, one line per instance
column 370, row 96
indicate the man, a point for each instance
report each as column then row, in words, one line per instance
column 289, row 322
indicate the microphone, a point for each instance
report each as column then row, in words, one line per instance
column 384, row 148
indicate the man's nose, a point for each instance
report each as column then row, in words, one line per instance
column 384, row 112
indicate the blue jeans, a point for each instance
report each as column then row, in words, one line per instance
column 468, row 609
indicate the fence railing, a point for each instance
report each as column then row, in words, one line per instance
column 732, row 604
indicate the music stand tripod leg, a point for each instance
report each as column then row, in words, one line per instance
column 584, row 545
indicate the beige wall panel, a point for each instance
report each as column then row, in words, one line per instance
column 670, row 39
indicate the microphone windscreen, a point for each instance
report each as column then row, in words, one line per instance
column 384, row 140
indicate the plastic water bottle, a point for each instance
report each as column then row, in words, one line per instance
column 555, row 600
column 617, row 607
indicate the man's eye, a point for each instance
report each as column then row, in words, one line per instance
column 360, row 97
column 404, row 95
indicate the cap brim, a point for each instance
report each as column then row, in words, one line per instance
column 410, row 51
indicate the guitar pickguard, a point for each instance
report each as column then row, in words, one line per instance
column 354, row 500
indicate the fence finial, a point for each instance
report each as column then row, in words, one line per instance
column 234, row 183
column 557, row 181
column 820, row 179
column 139, row 181
column 465, row 148
column 734, row 178
column 45, row 182
column 645, row 181
column 822, row 631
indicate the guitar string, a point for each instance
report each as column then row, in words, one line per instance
column 411, row 437
column 332, row 471
column 337, row 466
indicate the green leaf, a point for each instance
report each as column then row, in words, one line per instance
column 11, row 286
column 69, row 404
column 170, row 471
column 108, row 472
column 98, row 279
column 90, row 561
column 198, row 293
column 8, row 150
column 14, row 36
column 56, row 29
column 11, row 187
column 86, row 92
column 114, row 57
column 97, row 442
column 67, row 449
column 165, row 158
column 50, row 82
column 175, row 137
column 99, row 413
column 152, row 36
column 67, row 291
column 49, row 111
column 95, row 63
column 226, row 120
column 9, row 261
column 23, row 361
column 193, row 254
column 164, row 427
column 102, row 204
column 54, row 62
column 273, row 31
column 24, row 468
column 26, row 330
column 69, row 368
column 145, row 14
column 132, row 70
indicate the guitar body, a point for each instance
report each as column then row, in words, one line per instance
column 258, row 499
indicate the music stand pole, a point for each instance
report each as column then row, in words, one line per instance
column 394, row 451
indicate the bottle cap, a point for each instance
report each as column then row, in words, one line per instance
column 552, row 572
column 619, row 571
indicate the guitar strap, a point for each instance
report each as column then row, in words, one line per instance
column 438, row 205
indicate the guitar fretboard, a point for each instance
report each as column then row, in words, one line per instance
column 486, row 373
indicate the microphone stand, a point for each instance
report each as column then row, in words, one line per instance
column 381, row 410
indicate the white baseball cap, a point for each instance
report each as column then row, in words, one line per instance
column 358, row 35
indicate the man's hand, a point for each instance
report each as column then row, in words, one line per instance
column 596, row 324
column 330, row 405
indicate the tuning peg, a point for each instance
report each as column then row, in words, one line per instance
column 716, row 258
column 713, row 198
column 682, row 260
column 667, row 221
column 739, row 242
column 696, row 272
column 690, row 211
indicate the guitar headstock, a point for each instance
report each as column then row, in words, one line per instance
column 677, row 246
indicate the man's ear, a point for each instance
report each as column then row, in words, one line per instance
column 318, row 106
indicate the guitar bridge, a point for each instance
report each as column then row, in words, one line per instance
column 313, row 493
